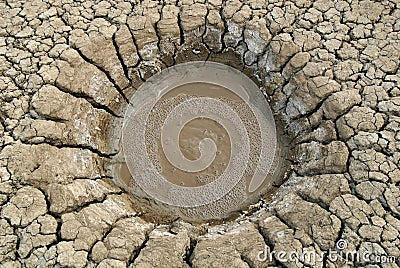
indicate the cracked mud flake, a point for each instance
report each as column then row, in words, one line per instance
column 329, row 68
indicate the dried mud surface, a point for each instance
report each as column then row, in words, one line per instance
column 67, row 69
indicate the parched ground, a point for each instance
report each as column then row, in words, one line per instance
column 67, row 69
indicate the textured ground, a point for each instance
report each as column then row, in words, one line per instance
column 331, row 69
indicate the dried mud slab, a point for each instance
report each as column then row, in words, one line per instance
column 330, row 70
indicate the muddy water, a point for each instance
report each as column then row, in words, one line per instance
column 191, row 135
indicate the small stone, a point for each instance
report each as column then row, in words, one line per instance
column 193, row 16
column 25, row 206
column 324, row 188
column 340, row 102
column 359, row 119
column 304, row 215
column 228, row 248
column 389, row 233
column 126, row 47
column 230, row 8
column 351, row 210
column 256, row 35
column 391, row 106
column 88, row 225
column 370, row 232
column 65, row 198
column 126, row 237
column 313, row 69
column 163, row 249
column 378, row 221
column 111, row 263
column 346, row 70
column 370, row 190
column 68, row 256
column 8, row 242
column 392, row 196
column 99, row 252
column 300, row 59
column 315, row 158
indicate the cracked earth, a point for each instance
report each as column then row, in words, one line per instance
column 329, row 68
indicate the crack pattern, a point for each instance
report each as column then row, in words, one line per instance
column 329, row 68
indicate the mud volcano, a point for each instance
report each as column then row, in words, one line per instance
column 201, row 138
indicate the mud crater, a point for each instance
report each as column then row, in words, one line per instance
column 269, row 150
